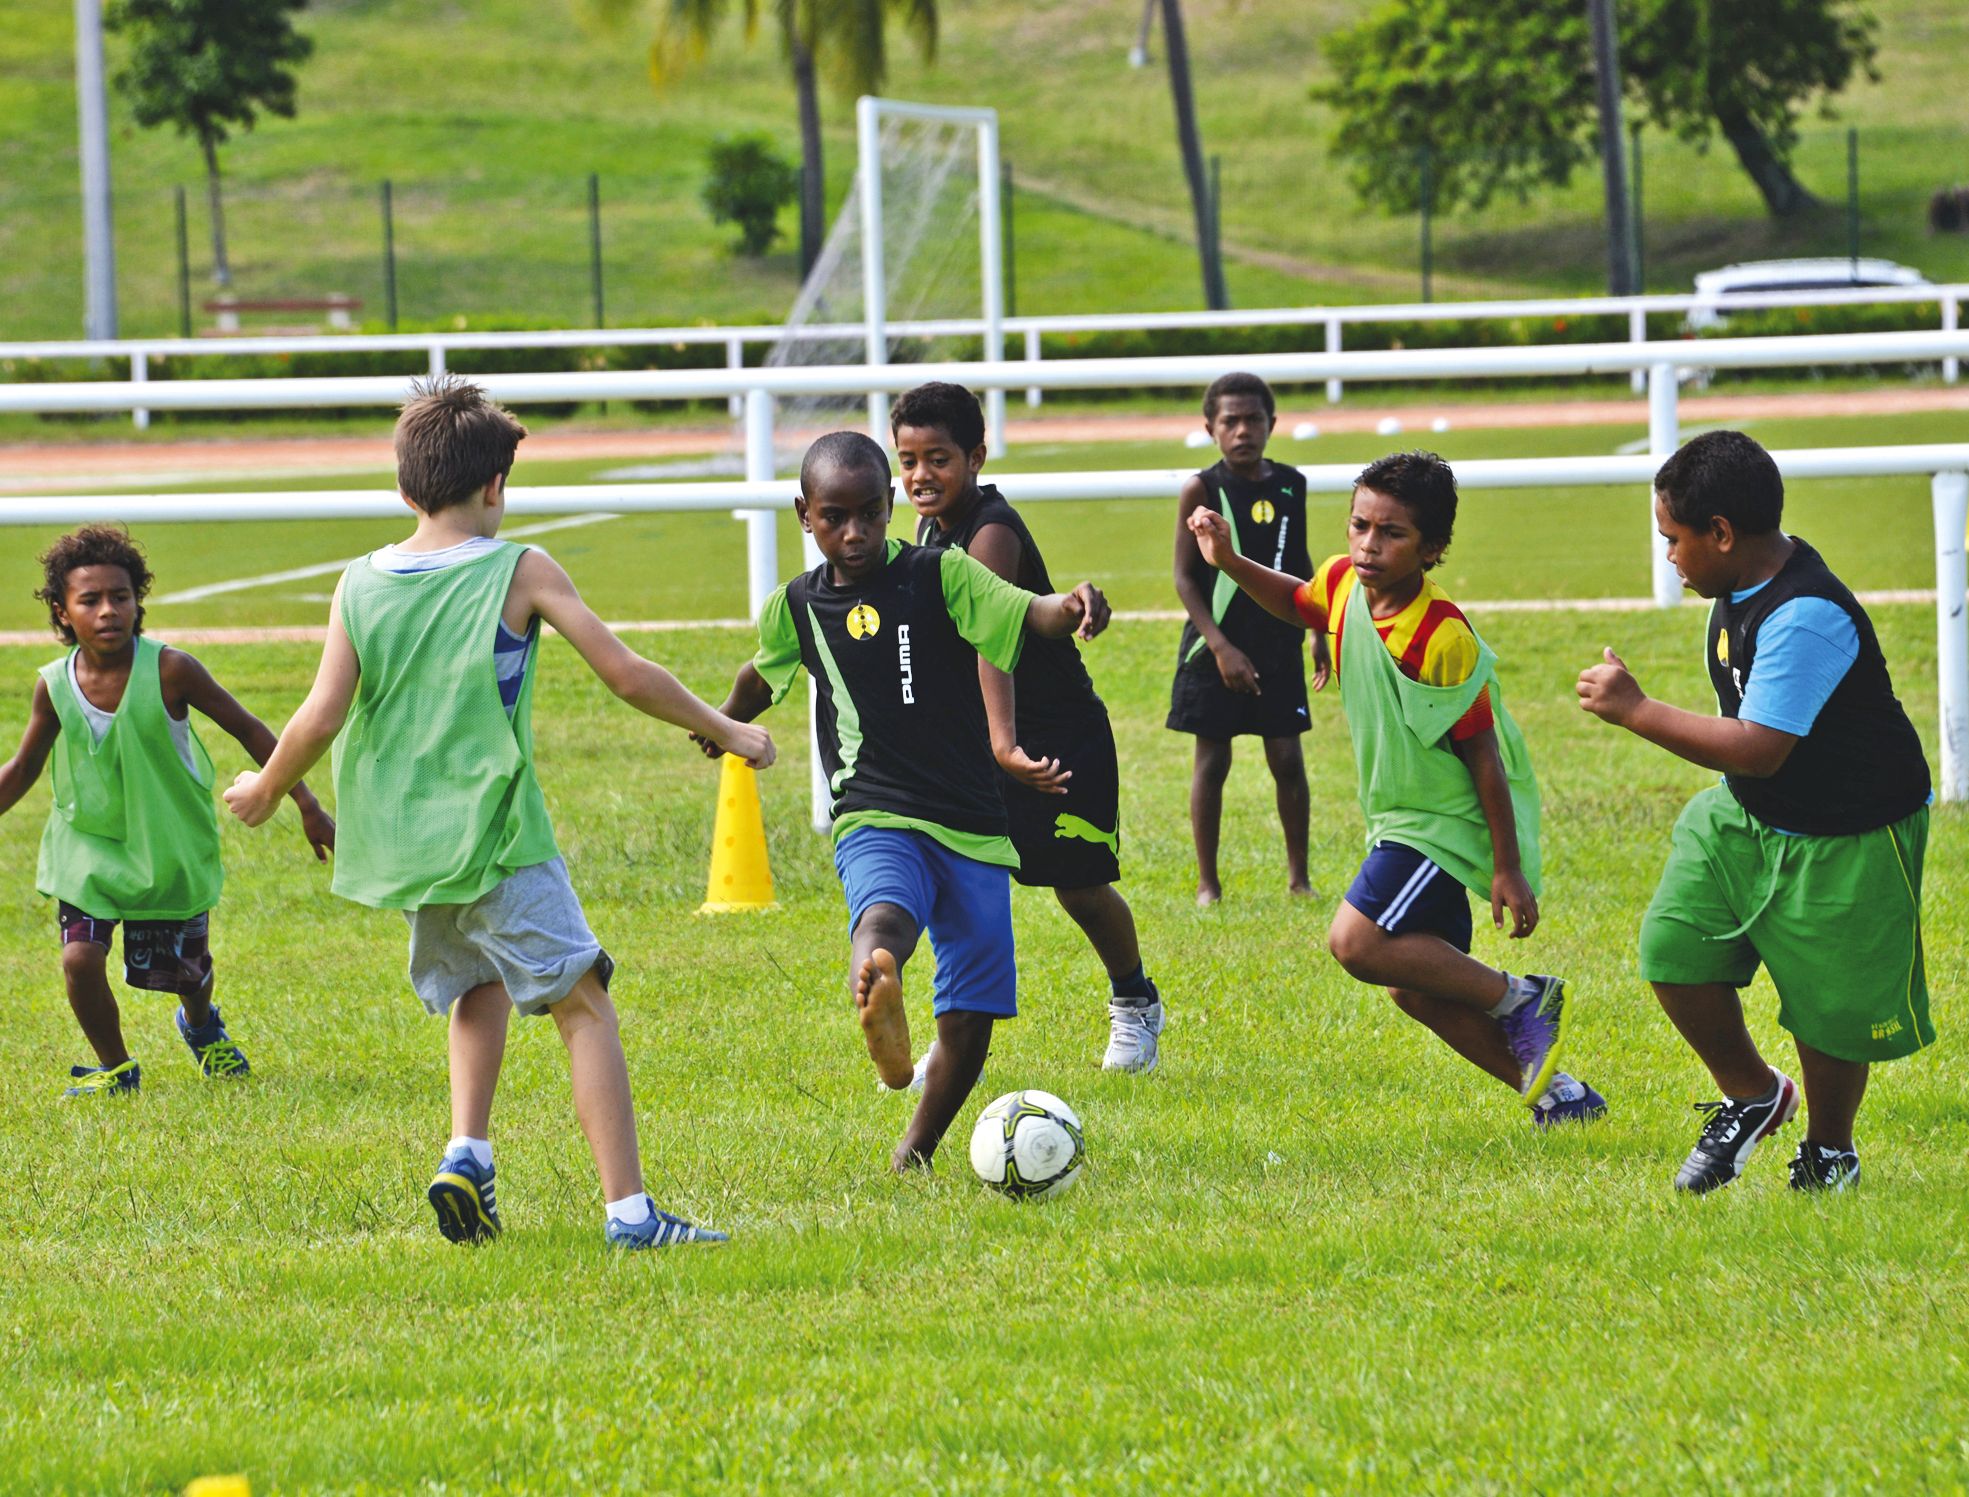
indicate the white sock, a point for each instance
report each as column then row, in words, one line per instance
column 481, row 1150
column 1518, row 991
column 631, row 1211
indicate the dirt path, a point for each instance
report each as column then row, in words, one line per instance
column 27, row 468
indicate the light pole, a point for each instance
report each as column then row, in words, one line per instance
column 99, row 248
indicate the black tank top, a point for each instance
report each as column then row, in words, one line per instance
column 1861, row 765
column 1268, row 521
column 1051, row 683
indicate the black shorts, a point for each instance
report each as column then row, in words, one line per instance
column 164, row 956
column 1200, row 702
column 1070, row 841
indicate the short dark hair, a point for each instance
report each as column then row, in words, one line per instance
column 451, row 441
column 848, row 454
column 1238, row 383
column 1723, row 473
column 1426, row 487
column 951, row 407
column 91, row 546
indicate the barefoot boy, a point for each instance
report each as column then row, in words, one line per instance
column 1049, row 731
column 892, row 635
column 429, row 662
column 132, row 835
column 1445, row 781
column 1807, row 858
column 1251, row 678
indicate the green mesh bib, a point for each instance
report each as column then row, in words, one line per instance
column 132, row 834
column 435, row 796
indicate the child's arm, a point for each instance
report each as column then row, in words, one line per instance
column 751, row 694
column 997, row 547
column 1233, row 664
column 1275, row 592
column 548, row 591
column 1084, row 611
column 19, row 773
column 1509, row 889
column 1730, row 745
column 187, row 680
column 252, row 797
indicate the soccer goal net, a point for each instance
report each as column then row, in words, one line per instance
column 912, row 270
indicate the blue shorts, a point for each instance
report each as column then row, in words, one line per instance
column 1405, row 894
column 964, row 906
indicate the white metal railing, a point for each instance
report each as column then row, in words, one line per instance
column 438, row 347
column 757, row 497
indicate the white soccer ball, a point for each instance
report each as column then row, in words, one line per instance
column 1388, row 426
column 1305, row 431
column 1029, row 1145
column 1198, row 439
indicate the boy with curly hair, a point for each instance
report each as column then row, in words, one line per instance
column 132, row 836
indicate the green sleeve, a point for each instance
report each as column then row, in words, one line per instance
column 989, row 611
column 778, row 660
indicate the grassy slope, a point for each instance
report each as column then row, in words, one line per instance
column 490, row 111
column 1313, row 1252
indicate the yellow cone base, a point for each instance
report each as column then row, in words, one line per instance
column 741, row 880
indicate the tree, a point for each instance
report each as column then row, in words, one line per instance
column 1502, row 94
column 206, row 67
column 749, row 182
column 845, row 39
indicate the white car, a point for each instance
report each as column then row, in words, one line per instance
column 1718, row 287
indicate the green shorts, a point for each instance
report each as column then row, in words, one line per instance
column 1835, row 920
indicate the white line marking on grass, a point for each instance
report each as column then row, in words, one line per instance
column 323, row 569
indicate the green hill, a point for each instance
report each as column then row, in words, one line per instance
column 489, row 114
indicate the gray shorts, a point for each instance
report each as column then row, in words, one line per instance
column 528, row 933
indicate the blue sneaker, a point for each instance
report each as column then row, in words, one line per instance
column 1568, row 1100
column 461, row 1194
column 1534, row 1029
column 213, row 1049
column 659, row 1229
column 104, row 1081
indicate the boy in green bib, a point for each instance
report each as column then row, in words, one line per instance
column 1445, row 781
column 132, row 835
column 426, row 691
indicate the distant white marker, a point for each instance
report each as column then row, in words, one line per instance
column 1441, row 423
column 1305, row 431
column 1387, row 426
column 1197, row 439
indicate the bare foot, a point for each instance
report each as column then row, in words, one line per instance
column 884, row 1022
column 1303, row 889
column 1207, row 895
column 908, row 1161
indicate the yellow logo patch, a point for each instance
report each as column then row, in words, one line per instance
column 863, row 621
column 1722, row 647
column 1263, row 512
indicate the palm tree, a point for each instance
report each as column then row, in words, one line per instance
column 845, row 39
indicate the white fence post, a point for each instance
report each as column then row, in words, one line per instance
column 1951, row 495
column 819, row 801
column 735, row 359
column 1951, row 366
column 1664, row 434
column 436, row 361
column 761, row 525
column 1637, row 332
column 1033, row 393
column 139, row 372
column 1333, row 346
column 874, row 291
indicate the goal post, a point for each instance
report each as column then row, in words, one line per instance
column 870, row 112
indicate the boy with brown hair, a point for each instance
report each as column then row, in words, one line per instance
column 132, row 835
column 427, row 678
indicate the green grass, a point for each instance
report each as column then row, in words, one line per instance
column 488, row 114
column 1313, row 1252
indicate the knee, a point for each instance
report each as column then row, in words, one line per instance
column 82, row 960
column 1213, row 761
column 1410, row 1003
column 1288, row 764
column 886, row 925
column 584, row 1008
column 1351, row 944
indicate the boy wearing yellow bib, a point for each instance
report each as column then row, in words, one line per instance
column 1445, row 781
column 132, row 835
column 427, row 678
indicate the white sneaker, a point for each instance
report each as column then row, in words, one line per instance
column 1132, row 1032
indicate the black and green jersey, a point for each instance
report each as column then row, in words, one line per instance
column 1268, row 524
column 901, row 723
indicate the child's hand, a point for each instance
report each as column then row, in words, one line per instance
column 1213, row 535
column 751, row 743
column 244, row 800
column 1093, row 609
column 1509, row 891
column 1609, row 691
column 711, row 750
column 1322, row 661
column 319, row 828
column 1239, row 674
column 1043, row 775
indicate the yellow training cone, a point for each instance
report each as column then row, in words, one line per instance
column 219, row 1486
column 740, row 876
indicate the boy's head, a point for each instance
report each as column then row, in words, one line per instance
column 844, row 503
column 939, row 433
column 1718, row 491
column 1402, row 516
column 451, row 442
column 1239, row 411
column 93, row 581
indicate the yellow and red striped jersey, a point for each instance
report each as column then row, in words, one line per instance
column 1431, row 640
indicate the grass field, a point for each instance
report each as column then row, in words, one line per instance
column 1312, row 1252
column 489, row 114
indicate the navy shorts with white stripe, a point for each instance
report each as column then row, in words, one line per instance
column 1405, row 894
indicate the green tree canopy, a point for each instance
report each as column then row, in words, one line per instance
column 1501, row 94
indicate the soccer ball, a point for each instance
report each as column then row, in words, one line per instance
column 1029, row 1145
